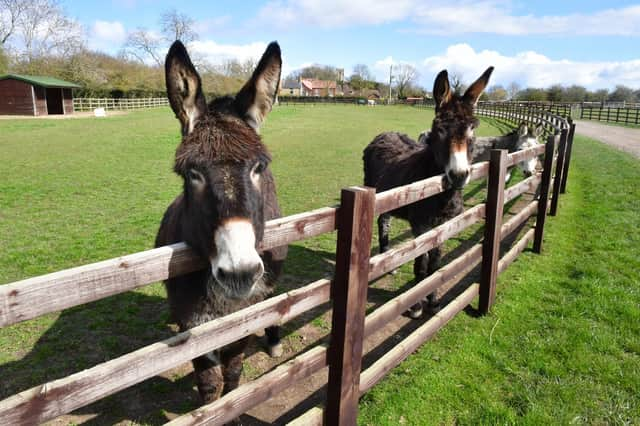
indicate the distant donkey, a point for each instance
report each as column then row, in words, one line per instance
column 393, row 159
column 229, row 193
column 523, row 137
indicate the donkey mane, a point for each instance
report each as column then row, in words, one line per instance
column 221, row 138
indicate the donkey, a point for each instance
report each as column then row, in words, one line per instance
column 393, row 159
column 228, row 194
column 523, row 137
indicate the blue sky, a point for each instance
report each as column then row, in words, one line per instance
column 592, row 43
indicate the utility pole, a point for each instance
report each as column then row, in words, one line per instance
column 390, row 78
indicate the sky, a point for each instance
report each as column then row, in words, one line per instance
column 536, row 44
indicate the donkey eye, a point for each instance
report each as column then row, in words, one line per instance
column 258, row 168
column 195, row 176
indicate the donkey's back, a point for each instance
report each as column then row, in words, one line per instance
column 383, row 153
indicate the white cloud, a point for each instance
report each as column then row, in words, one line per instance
column 105, row 35
column 444, row 18
column 216, row 53
column 334, row 13
column 211, row 25
column 532, row 69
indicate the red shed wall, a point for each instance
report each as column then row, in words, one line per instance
column 15, row 98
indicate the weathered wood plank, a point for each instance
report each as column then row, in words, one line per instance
column 516, row 157
column 527, row 185
column 349, row 296
column 402, row 350
column 545, row 185
column 562, row 151
column 518, row 219
column 388, row 261
column 30, row 298
column 515, row 251
column 567, row 160
column 61, row 396
column 279, row 232
column 247, row 396
column 493, row 225
column 404, row 195
column 395, row 307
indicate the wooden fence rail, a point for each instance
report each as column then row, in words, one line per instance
column 355, row 268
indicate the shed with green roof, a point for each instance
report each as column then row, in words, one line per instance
column 35, row 95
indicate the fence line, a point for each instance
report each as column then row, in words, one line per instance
column 354, row 269
column 115, row 104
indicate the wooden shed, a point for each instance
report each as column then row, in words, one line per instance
column 35, row 95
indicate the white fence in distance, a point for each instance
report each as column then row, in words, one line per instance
column 113, row 104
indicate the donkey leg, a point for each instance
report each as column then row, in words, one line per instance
column 433, row 305
column 274, row 345
column 420, row 266
column 384, row 223
column 208, row 375
column 232, row 357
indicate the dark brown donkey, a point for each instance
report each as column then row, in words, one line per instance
column 393, row 159
column 228, row 194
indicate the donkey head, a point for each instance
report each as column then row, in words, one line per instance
column 224, row 166
column 452, row 131
column 528, row 138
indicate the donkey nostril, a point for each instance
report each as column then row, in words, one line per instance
column 221, row 274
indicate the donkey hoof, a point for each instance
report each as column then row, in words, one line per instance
column 276, row 351
column 415, row 312
column 434, row 308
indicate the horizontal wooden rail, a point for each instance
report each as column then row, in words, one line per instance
column 52, row 399
column 403, row 195
column 517, row 248
column 527, row 185
column 247, row 396
column 30, row 298
column 525, row 154
column 406, row 347
column 388, row 261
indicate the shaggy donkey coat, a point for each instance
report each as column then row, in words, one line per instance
column 393, row 159
column 229, row 193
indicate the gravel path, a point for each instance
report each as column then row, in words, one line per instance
column 624, row 138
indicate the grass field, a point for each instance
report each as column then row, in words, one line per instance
column 561, row 346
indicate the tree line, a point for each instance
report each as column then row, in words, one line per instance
column 38, row 38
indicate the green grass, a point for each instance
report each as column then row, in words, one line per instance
column 79, row 191
column 562, row 344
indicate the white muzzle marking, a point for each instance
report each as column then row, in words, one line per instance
column 235, row 243
column 458, row 165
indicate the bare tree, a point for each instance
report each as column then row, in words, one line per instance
column 513, row 90
column 142, row 45
column 405, row 76
column 177, row 26
column 41, row 27
column 362, row 71
column 457, row 85
column 10, row 13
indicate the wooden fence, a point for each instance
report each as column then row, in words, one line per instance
column 626, row 114
column 355, row 268
column 113, row 104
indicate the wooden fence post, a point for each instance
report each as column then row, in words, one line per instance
column 567, row 157
column 493, row 224
column 557, row 180
column 349, row 296
column 545, row 183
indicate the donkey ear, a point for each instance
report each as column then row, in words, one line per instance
column 255, row 99
column 522, row 129
column 184, row 87
column 475, row 90
column 441, row 89
column 537, row 132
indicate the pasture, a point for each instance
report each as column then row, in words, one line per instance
column 79, row 191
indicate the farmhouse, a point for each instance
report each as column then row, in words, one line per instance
column 35, row 95
column 314, row 87
column 289, row 88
